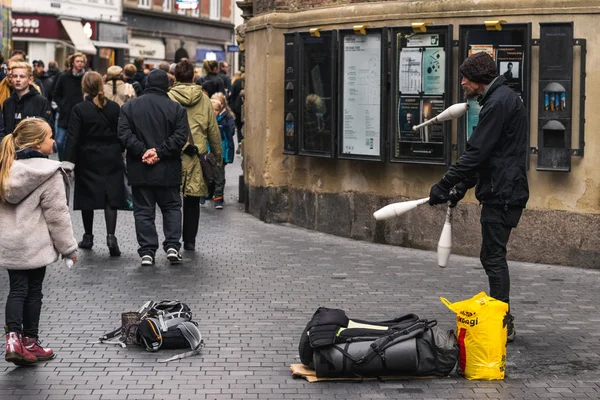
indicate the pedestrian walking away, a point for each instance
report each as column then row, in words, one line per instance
column 25, row 101
column 495, row 159
column 93, row 146
column 67, row 93
column 154, row 129
column 36, row 231
column 203, row 132
column 225, row 119
column 211, row 83
column 115, row 88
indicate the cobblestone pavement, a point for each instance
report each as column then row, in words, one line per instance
column 254, row 286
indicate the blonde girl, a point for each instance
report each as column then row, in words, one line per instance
column 36, row 231
column 226, row 127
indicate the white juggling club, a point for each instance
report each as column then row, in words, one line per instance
column 397, row 209
column 445, row 243
column 452, row 112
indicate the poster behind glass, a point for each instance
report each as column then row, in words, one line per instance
column 421, row 94
column 317, row 97
column 361, row 114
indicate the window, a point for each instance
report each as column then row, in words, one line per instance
column 167, row 5
column 144, row 3
column 181, row 11
column 215, row 9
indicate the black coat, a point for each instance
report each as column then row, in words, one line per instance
column 32, row 104
column 67, row 93
column 236, row 100
column 49, row 82
column 153, row 121
column 212, row 84
column 94, row 147
column 496, row 153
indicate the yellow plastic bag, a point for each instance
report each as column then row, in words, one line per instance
column 481, row 334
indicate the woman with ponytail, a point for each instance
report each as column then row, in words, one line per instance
column 36, row 230
column 115, row 87
column 94, row 147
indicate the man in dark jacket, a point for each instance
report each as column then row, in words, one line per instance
column 495, row 159
column 67, row 93
column 224, row 74
column 49, row 79
column 139, row 76
column 154, row 129
column 25, row 101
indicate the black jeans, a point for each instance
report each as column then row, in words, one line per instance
column 145, row 199
column 191, row 218
column 496, row 224
column 24, row 302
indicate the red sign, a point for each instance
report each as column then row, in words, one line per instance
column 46, row 26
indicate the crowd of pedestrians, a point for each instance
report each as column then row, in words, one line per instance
column 131, row 134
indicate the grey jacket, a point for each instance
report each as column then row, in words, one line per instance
column 35, row 220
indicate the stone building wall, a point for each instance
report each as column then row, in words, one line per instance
column 562, row 222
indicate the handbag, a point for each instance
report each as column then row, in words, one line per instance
column 208, row 163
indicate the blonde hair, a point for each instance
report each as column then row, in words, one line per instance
column 21, row 65
column 223, row 100
column 28, row 134
column 217, row 102
column 93, row 86
column 129, row 70
column 73, row 56
column 209, row 66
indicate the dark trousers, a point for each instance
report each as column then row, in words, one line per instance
column 145, row 199
column 191, row 218
column 24, row 302
column 220, row 183
column 496, row 224
column 239, row 125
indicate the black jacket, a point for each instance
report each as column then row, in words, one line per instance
column 211, row 84
column 226, row 82
column 236, row 100
column 49, row 82
column 32, row 104
column 153, row 121
column 94, row 147
column 140, row 77
column 67, row 93
column 496, row 153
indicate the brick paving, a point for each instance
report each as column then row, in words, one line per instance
column 253, row 287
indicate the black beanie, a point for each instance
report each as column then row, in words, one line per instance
column 479, row 68
column 158, row 79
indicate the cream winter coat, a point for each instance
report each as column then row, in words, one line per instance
column 35, row 225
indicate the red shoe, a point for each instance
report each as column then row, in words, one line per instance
column 16, row 352
column 32, row 345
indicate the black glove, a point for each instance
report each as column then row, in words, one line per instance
column 439, row 193
column 457, row 193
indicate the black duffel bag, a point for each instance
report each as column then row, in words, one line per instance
column 335, row 346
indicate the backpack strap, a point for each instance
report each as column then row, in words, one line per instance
column 192, row 334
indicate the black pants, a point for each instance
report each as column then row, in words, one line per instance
column 145, row 199
column 191, row 217
column 239, row 125
column 496, row 224
column 24, row 302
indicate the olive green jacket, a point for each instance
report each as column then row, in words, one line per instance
column 204, row 128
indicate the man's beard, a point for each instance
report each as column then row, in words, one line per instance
column 469, row 93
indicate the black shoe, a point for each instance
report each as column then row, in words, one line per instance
column 87, row 242
column 511, row 332
column 189, row 246
column 174, row 256
column 113, row 246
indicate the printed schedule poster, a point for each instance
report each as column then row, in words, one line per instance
column 509, row 61
column 410, row 71
column 362, row 94
column 409, row 115
column 433, row 133
column 434, row 70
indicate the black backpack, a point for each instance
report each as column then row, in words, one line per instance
column 164, row 325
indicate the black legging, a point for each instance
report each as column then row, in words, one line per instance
column 110, row 216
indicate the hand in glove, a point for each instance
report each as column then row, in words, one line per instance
column 439, row 193
column 457, row 193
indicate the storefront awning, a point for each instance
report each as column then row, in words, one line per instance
column 110, row 45
column 80, row 41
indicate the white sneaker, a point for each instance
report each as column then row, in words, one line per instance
column 147, row 261
column 173, row 256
